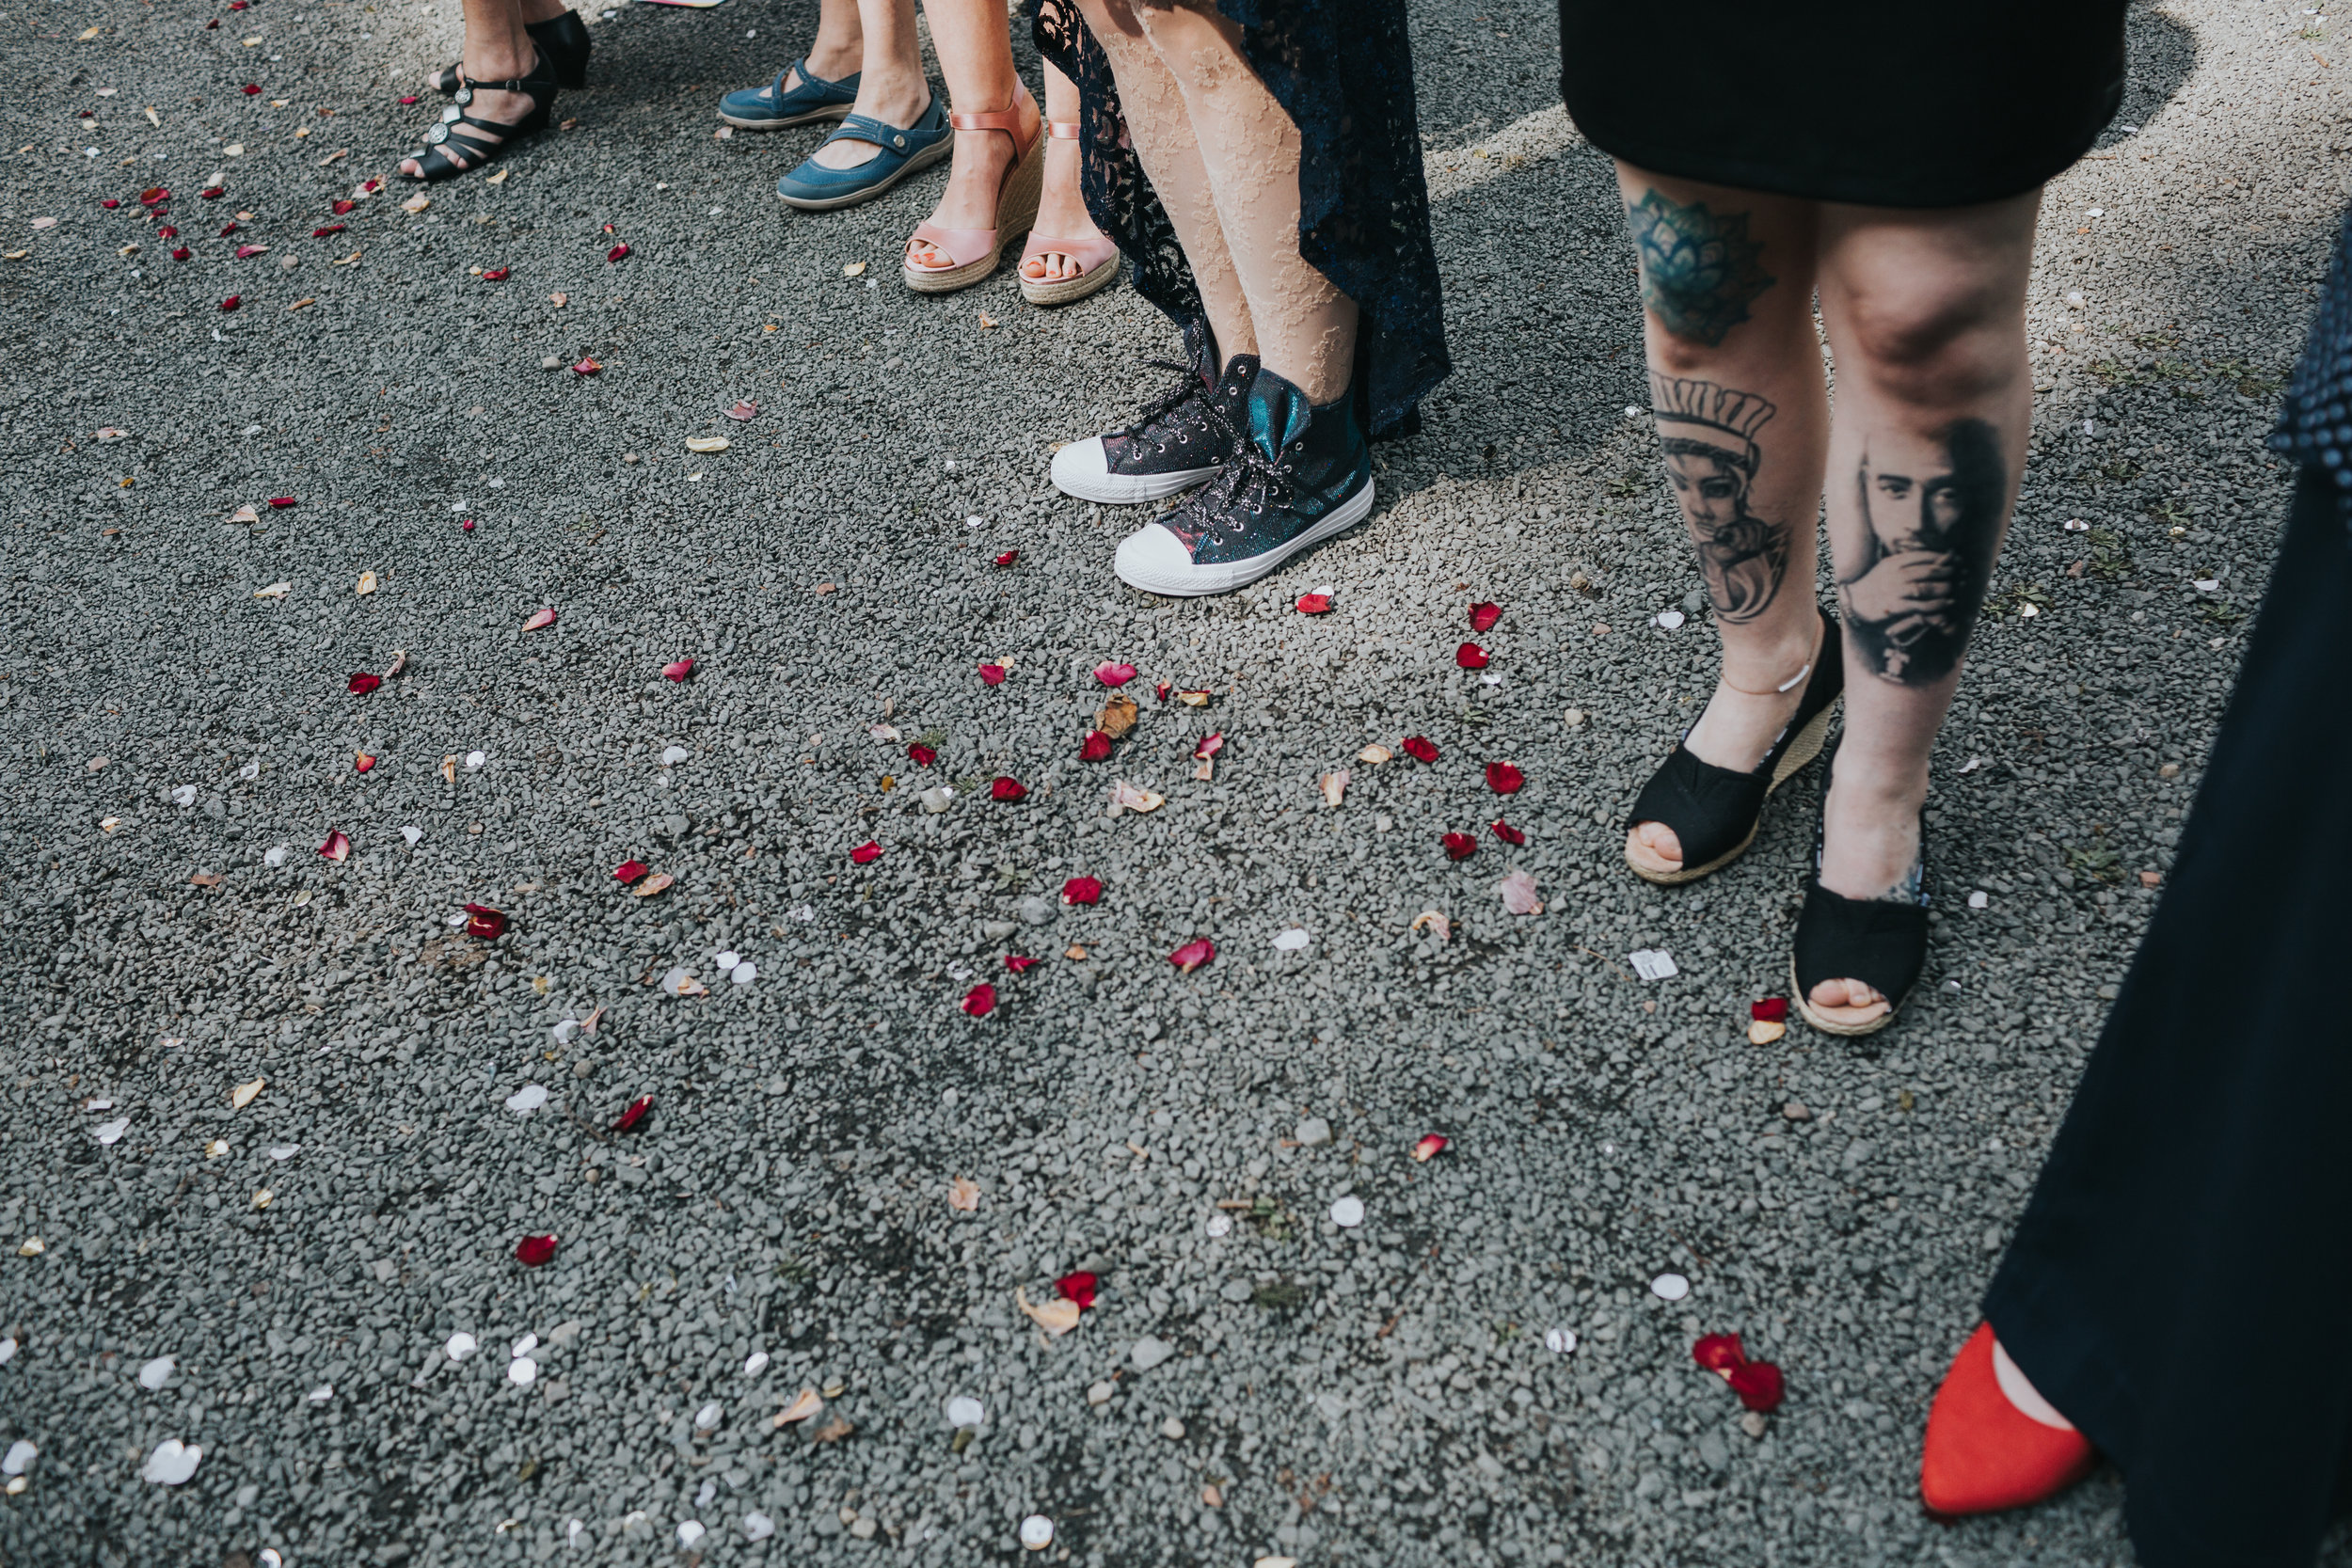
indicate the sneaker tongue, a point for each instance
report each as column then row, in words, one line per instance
column 1278, row 412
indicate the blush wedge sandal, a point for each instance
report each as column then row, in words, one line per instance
column 973, row 253
column 1097, row 259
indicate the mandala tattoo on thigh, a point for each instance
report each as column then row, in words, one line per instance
column 1699, row 271
column 1931, row 505
column 1707, row 434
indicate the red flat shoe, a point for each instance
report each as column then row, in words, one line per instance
column 1983, row 1453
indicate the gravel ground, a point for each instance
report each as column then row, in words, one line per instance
column 1271, row 1384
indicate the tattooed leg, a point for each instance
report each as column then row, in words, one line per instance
column 1742, row 427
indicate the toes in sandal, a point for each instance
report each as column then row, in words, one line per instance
column 775, row 106
column 1882, row 943
column 905, row 149
column 451, row 140
column 973, row 253
column 1096, row 258
column 1714, row 812
column 564, row 40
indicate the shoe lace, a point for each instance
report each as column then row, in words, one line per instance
column 1249, row 482
column 1181, row 403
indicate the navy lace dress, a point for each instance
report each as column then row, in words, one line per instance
column 1343, row 72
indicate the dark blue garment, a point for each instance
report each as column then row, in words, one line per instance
column 2315, row 425
column 1343, row 69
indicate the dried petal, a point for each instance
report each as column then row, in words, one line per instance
column 1006, row 787
column 1095, row 746
column 1438, row 924
column 585, row 366
column 1470, row 655
column 707, row 444
column 533, row 1251
column 1159, row 692
column 1117, row 716
column 1079, row 1286
column 638, row 1110
column 1193, row 699
column 1772, row 1009
column 1375, row 755
column 1313, row 604
column 180, row 253
column 214, row 193
column 980, row 1000
column 343, row 207
column 540, row 620
column 1484, row 614
column 1082, row 889
column 1210, row 745
column 280, row 503
column 1759, row 1386
column 247, row 251
column 364, row 682
column 921, row 756
column 497, row 275
column 485, row 921
column 865, row 853
column 366, row 584
column 1334, row 786
column 1430, row 1147
column 1504, row 779
column 618, row 253
column 1459, row 846
column 1056, row 1317
column 678, row 669
column 744, row 408
column 1008, row 558
column 1129, row 798
column 805, row 1404
column 362, row 763
column 992, row 674
column 399, row 662
column 1763, row 1033
column 629, row 871
column 1114, row 675
column 337, row 847
column 232, row 302
column 1519, row 894
column 660, row 882
column 325, row 230
column 1506, row 833
column 964, row 1193
column 1192, row 955
column 242, row 1095
column 1418, row 749
column 1019, row 964
column 1720, row 1354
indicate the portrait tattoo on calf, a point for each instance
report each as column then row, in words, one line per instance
column 1699, row 271
column 1931, row 507
column 1708, row 436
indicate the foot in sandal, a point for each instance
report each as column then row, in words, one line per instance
column 1067, row 258
column 991, row 199
column 1862, row 937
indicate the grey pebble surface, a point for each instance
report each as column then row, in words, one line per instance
column 1381, row 1393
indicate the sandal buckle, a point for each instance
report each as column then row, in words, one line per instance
column 436, row 136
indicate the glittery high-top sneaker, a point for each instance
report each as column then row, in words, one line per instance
column 1174, row 444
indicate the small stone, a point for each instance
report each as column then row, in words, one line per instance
column 1101, row 1393
column 1752, row 1423
column 966, row 1411
column 1037, row 910
column 1172, row 1429
column 1149, row 1352
column 1796, row 1111
column 157, row 1372
column 1313, row 1132
column 755, row 1364
column 1348, row 1213
column 1670, row 1286
column 1037, row 1533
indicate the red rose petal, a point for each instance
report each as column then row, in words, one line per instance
column 166, row 233
column 495, row 275
column 232, row 302
column 214, row 193
column 865, row 853
column 411, row 98
column 281, row 502
column 152, row 195
column 1209, row 747
column 466, row 524
column 250, row 90
column 212, row 24
column 1720, row 1353
column 992, row 674
column 337, row 847
column 980, row 1000
column 629, row 871
column 1095, row 746
column 1485, row 614
column 1772, row 1009
column 330, row 229
column 586, row 366
column 1082, row 889
column 344, row 206
column 921, row 756
column 1470, row 655
column 1008, row 558
column 618, row 253
column 1430, row 1147
column 637, row 1110
column 533, row 1251
column 109, row 202
column 1160, row 692
column 678, row 669
column 485, row 921
column 1192, row 955
column 362, row 763
column 245, row 251
column 1418, row 749
column 744, row 409
column 1506, row 833
column 1006, row 787
column 1019, row 964
column 1312, row 604
column 1759, row 1386
column 1504, row 779
column 1114, row 675
column 373, row 186
column 1459, row 846
column 540, row 620
column 180, row 253
column 227, row 229
column 1079, row 1286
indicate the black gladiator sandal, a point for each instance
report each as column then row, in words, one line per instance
column 1879, row 942
column 433, row 158
column 564, row 40
column 1715, row 812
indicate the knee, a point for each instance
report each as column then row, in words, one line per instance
column 1931, row 342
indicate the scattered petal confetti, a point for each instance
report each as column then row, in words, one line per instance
column 1082, row 889
column 1291, row 939
column 1037, row 1533
column 1761, row 1032
column 1670, row 1286
column 1114, row 675
column 1504, row 778
column 242, row 1096
column 1128, row 798
column 485, row 921
column 171, row 1463
column 865, row 853
column 921, row 756
column 1006, row 787
column 618, row 253
column 966, row 1411
column 540, row 620
column 527, row 1099
column 1560, row 1341
column 1312, row 604
column 1056, row 1317
column 1720, row 1353
column 1459, row 846
column 362, row 763
column 1348, row 1213
column 678, row 669
column 1519, row 894
column 1008, row 558
column 672, row 755
column 992, row 675
column 1209, row 746
column 522, row 1372
column 366, row 584
column 275, row 590
column 1470, row 655
column 805, row 1404
column 1430, row 1147
column 232, row 302
column 743, row 409
column 638, row 1110
column 1772, row 1009
column 1418, row 749
column 460, row 1346
column 963, row 1194
column 585, row 365
column 1095, row 746
column 1438, row 924
column 1483, row 615
column 184, row 795
column 30, row 1247
column 363, row 683
column 758, row 1526
column 1020, row 965
column 1759, row 1385
column 1078, row 1288
column 1192, row 955
column 1117, row 716
column 497, row 275
column 1979, row 899
column 1334, row 786
column 1375, row 755
column 533, row 1251
column 708, row 1418
column 1506, row 833
column 980, row 1000
column 111, row 1132
column 21, row 1453
column 1652, row 963
column 707, row 443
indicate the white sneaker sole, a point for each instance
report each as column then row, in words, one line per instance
column 1079, row 471
column 1198, row 580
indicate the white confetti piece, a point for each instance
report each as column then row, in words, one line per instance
column 726, row 961
column 283, row 1151
column 1979, row 899
column 172, row 1462
column 412, row 834
column 1220, row 1225
column 522, row 1372
column 1560, row 1342
column 523, row 1346
column 1670, row 1286
column 158, row 1372
column 758, row 1526
column 966, row 1411
column 461, row 1344
column 1348, row 1213
column 19, row 1456
column 475, row 759
column 756, row 1363
column 527, row 1099
column 671, row 755
column 1972, row 764
column 324, row 1393
column 109, row 1131
column 1037, row 1533
column 7, row 1349
column 743, row 973
column 2206, row 585
column 690, row 1532
column 1668, row 618
column 1652, row 963
column 1291, row 940
column 276, row 857
column 708, row 1418
column 185, row 795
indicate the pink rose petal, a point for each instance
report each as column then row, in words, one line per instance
column 1192, row 955
column 540, row 620
column 678, row 669
column 337, row 847
column 1082, row 889
column 980, row 1000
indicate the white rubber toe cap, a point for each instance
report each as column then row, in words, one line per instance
column 1156, row 561
column 1080, row 468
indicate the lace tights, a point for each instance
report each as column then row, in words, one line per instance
column 1224, row 157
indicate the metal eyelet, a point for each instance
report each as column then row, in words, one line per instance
column 897, row 141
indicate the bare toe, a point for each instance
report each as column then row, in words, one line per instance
column 1652, row 845
column 1848, row 1001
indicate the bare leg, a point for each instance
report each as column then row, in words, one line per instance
column 838, row 49
column 541, row 10
column 1162, row 132
column 1306, row 327
column 1926, row 318
column 892, row 89
column 1062, row 213
column 974, row 42
column 497, row 48
column 1744, row 423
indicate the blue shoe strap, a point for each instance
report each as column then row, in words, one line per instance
column 899, row 140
